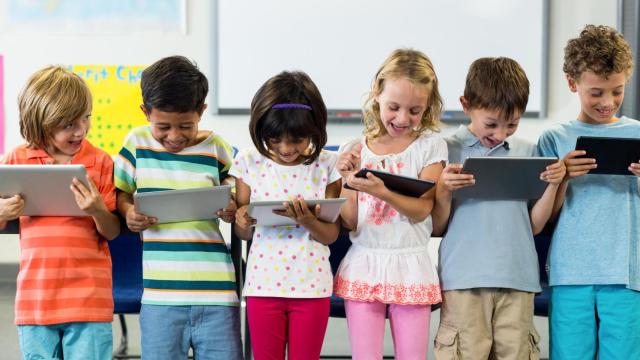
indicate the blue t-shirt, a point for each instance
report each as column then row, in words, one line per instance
column 488, row 243
column 596, row 237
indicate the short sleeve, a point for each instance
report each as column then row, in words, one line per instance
column 125, row 166
column 349, row 145
column 106, row 185
column 240, row 166
column 332, row 160
column 225, row 154
column 434, row 150
column 547, row 145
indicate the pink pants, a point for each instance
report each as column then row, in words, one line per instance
column 409, row 328
column 275, row 322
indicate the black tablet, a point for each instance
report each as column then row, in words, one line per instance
column 613, row 155
column 505, row 177
column 398, row 183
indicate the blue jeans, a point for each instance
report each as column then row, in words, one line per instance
column 69, row 341
column 589, row 319
column 169, row 331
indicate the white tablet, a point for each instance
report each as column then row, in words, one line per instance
column 505, row 178
column 262, row 211
column 184, row 204
column 45, row 188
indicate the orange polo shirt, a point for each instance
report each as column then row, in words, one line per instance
column 65, row 265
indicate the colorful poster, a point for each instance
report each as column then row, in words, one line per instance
column 1, row 105
column 93, row 17
column 116, row 102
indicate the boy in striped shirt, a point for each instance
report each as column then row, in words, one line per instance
column 189, row 297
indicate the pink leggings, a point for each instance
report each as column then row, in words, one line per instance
column 275, row 322
column 409, row 328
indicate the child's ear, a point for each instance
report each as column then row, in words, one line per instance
column 201, row 111
column 144, row 110
column 465, row 104
column 573, row 84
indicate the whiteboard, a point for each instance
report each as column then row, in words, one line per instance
column 341, row 44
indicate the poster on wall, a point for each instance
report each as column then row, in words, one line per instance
column 116, row 102
column 93, row 16
column 1, row 105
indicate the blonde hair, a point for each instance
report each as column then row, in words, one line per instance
column 51, row 98
column 416, row 67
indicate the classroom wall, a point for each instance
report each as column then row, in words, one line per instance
column 24, row 53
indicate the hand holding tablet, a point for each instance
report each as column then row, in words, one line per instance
column 274, row 213
column 613, row 156
column 505, row 178
column 398, row 183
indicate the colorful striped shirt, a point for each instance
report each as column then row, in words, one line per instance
column 65, row 266
column 184, row 263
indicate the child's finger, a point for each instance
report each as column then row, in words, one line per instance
column 92, row 186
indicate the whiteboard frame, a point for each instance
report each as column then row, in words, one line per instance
column 354, row 114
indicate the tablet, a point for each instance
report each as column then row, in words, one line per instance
column 505, row 178
column 45, row 188
column 404, row 185
column 184, row 204
column 613, row 155
column 262, row 211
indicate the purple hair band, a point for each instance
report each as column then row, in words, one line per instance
column 291, row 106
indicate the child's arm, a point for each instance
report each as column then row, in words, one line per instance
column 544, row 207
column 450, row 180
column 135, row 222
column 10, row 209
column 574, row 167
column 243, row 224
column 90, row 201
column 416, row 209
column 348, row 163
column 322, row 231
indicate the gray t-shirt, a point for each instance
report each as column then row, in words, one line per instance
column 488, row 243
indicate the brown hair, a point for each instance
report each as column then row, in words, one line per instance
column 600, row 49
column 417, row 68
column 266, row 123
column 498, row 84
column 51, row 98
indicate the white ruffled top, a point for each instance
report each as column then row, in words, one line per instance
column 388, row 261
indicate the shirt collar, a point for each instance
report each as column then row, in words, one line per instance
column 85, row 156
column 470, row 140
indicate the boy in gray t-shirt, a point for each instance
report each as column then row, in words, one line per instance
column 489, row 277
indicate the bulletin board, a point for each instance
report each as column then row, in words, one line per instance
column 116, row 102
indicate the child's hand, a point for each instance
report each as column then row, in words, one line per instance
column 88, row 199
column 228, row 214
column 635, row 168
column 451, row 178
column 11, row 207
column 138, row 222
column 578, row 166
column 554, row 173
column 299, row 211
column 349, row 161
column 372, row 184
column 243, row 220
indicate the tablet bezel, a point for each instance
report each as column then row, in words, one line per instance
column 405, row 185
column 46, row 189
column 262, row 211
column 520, row 182
column 613, row 155
column 180, row 205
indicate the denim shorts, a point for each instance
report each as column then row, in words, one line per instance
column 168, row 331
column 69, row 341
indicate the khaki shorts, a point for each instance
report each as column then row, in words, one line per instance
column 487, row 323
